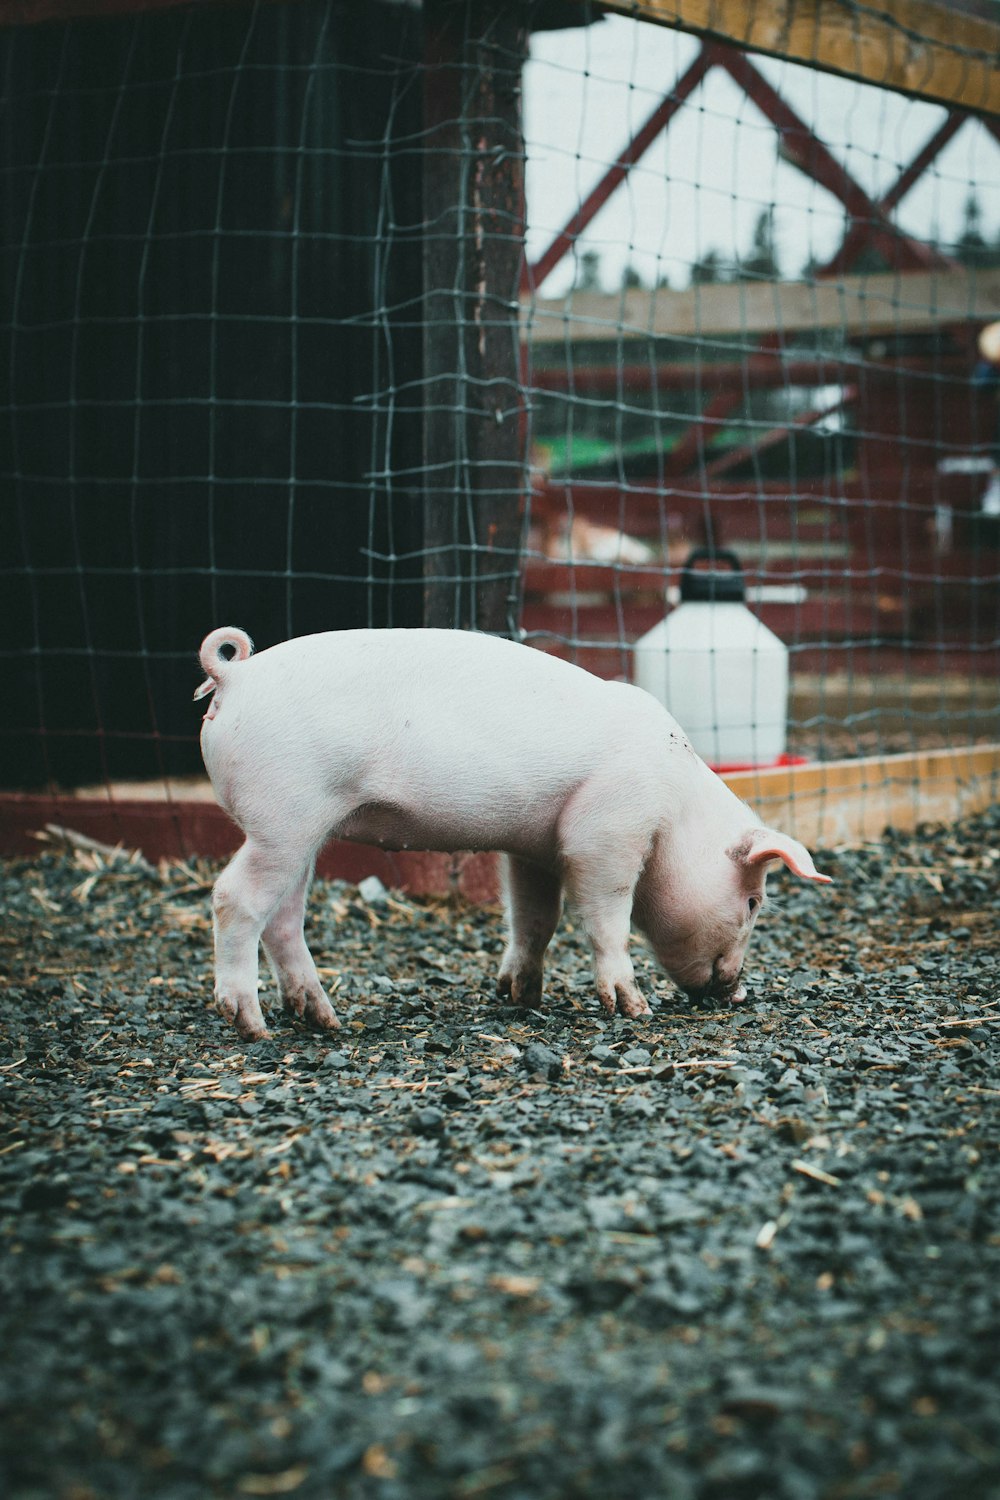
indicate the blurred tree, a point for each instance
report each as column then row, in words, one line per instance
column 763, row 258
column 588, row 272
column 708, row 268
column 972, row 247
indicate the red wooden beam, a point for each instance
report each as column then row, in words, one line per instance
column 776, row 435
column 615, row 175
column 857, row 236
column 818, row 619
column 185, row 829
column 684, row 455
column 804, row 148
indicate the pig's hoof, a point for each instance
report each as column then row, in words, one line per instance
column 251, row 1028
column 626, row 999
column 312, row 1007
column 521, row 986
column 228, row 1009
column 254, row 1034
column 322, row 1017
column 634, row 1006
column 244, row 1015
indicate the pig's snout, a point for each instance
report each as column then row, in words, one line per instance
column 726, row 984
column 727, row 979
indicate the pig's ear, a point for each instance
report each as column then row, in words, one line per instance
column 766, row 846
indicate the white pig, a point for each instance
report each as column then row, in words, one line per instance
column 449, row 740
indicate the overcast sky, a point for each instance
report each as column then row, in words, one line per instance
column 705, row 180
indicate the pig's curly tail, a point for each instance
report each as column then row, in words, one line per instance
column 214, row 662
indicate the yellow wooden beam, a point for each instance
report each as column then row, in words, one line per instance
column 847, row 801
column 826, row 805
column 925, row 47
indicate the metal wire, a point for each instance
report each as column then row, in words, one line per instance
column 749, row 301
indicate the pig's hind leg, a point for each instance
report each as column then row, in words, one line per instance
column 249, row 892
column 291, row 962
column 533, row 899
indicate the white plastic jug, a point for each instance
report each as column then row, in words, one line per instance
column 717, row 668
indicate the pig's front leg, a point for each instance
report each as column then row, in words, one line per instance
column 249, row 891
column 292, row 964
column 607, row 920
column 533, row 899
column 602, row 868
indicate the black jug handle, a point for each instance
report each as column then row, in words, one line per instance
column 710, row 554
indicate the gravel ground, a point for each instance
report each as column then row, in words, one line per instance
column 458, row 1250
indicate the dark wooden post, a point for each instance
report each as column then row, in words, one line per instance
column 473, row 251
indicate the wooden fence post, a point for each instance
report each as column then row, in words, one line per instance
column 473, row 253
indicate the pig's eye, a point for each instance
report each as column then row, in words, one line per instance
column 753, row 906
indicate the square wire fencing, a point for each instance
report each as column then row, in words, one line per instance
column 490, row 316
column 211, row 295
column 755, row 326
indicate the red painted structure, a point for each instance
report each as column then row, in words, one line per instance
column 891, row 553
column 196, row 828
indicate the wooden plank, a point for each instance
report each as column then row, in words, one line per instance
column 845, row 801
column 595, row 618
column 900, row 702
column 198, row 828
column 903, row 302
column 930, row 48
column 869, row 515
column 823, row 804
column 762, row 370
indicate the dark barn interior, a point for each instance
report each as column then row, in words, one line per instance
column 203, row 208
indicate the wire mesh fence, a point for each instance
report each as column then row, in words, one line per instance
column 321, row 316
column 204, row 296
column 763, row 336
